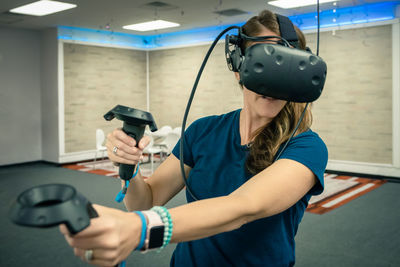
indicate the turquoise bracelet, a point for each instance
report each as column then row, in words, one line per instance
column 144, row 230
column 168, row 225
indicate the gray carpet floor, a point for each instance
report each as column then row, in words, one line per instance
column 364, row 232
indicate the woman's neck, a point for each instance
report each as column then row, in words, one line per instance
column 249, row 122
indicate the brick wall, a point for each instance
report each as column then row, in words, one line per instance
column 95, row 80
column 354, row 113
column 172, row 75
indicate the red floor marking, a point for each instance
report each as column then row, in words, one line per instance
column 318, row 208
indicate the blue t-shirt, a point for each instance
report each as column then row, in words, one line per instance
column 214, row 152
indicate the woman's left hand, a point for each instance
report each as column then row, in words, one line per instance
column 112, row 236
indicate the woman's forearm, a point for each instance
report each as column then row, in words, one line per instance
column 164, row 183
column 208, row 217
column 195, row 220
column 138, row 195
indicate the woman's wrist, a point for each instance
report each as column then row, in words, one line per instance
column 116, row 164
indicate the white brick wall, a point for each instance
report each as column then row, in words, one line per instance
column 96, row 79
column 354, row 113
column 172, row 75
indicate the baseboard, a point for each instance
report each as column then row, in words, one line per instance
column 27, row 163
column 365, row 175
column 376, row 169
column 79, row 156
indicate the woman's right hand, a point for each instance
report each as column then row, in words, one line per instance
column 121, row 148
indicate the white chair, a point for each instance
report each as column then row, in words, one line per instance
column 165, row 129
column 177, row 130
column 100, row 137
column 162, row 132
column 169, row 142
column 151, row 149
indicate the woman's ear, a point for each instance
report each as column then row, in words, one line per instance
column 237, row 76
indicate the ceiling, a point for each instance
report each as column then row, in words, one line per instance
column 112, row 15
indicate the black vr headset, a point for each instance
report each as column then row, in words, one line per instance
column 276, row 69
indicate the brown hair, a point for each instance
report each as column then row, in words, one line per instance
column 269, row 138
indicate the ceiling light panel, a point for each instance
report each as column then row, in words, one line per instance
column 231, row 12
column 159, row 6
column 42, row 8
column 151, row 25
column 297, row 3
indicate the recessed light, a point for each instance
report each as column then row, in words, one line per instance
column 151, row 25
column 297, row 3
column 42, row 8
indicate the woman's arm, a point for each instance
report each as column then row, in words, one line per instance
column 272, row 191
column 158, row 189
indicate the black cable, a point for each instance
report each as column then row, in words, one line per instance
column 318, row 26
column 190, row 103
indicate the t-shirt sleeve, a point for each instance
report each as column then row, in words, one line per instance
column 190, row 134
column 309, row 149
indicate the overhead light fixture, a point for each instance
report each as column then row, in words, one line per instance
column 151, row 25
column 297, row 3
column 42, row 8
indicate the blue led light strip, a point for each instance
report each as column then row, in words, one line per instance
column 347, row 16
column 329, row 18
column 103, row 37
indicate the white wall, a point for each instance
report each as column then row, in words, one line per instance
column 20, row 96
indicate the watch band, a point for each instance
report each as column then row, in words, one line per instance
column 155, row 231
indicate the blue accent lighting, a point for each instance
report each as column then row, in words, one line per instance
column 103, row 37
column 347, row 16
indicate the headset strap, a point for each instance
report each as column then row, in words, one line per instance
column 287, row 30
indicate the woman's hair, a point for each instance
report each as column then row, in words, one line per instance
column 267, row 19
column 269, row 138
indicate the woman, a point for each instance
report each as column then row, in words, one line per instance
column 250, row 205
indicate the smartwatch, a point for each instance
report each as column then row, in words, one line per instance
column 155, row 231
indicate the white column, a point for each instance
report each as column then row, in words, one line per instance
column 61, row 115
column 396, row 93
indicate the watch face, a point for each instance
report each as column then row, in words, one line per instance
column 156, row 239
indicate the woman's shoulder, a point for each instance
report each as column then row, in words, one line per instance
column 307, row 136
column 309, row 139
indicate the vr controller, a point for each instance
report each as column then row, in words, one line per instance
column 135, row 122
column 50, row 205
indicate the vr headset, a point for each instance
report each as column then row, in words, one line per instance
column 280, row 70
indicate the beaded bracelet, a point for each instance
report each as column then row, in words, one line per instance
column 168, row 225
